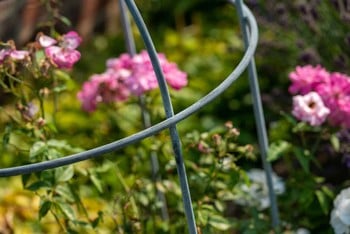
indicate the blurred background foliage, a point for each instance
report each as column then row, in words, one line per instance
column 204, row 39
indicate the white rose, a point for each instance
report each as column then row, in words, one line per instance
column 256, row 194
column 302, row 231
column 340, row 215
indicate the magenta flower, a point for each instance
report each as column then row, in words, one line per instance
column 65, row 55
column 310, row 108
column 142, row 77
column 176, row 78
column 127, row 76
column 106, row 87
column 88, row 96
column 336, row 96
column 305, row 79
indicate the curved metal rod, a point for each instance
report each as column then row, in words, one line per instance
column 118, row 144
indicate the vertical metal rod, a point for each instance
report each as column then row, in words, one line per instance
column 146, row 118
column 169, row 113
column 129, row 39
column 259, row 116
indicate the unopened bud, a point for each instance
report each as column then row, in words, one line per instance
column 40, row 122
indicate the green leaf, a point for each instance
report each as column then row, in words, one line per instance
column 6, row 136
column 44, row 208
column 63, row 145
column 322, row 199
column 219, row 206
column 57, row 144
column 64, row 174
column 96, row 181
column 335, row 142
column 64, row 191
column 327, row 192
column 39, row 55
column 202, row 217
column 38, row 185
column 65, row 20
column 66, row 210
column 96, row 221
column 59, row 89
column 303, row 159
column 219, row 222
column 37, row 149
column 277, row 149
column 25, row 179
column 61, row 75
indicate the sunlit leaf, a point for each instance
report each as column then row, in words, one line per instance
column 64, row 174
column 219, row 222
column 66, row 210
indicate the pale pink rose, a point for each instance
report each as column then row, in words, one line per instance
column 310, row 108
column 19, row 54
column 46, row 41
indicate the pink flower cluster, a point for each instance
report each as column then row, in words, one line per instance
column 13, row 54
column 65, row 55
column 333, row 90
column 127, row 76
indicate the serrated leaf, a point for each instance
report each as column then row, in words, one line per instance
column 44, row 208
